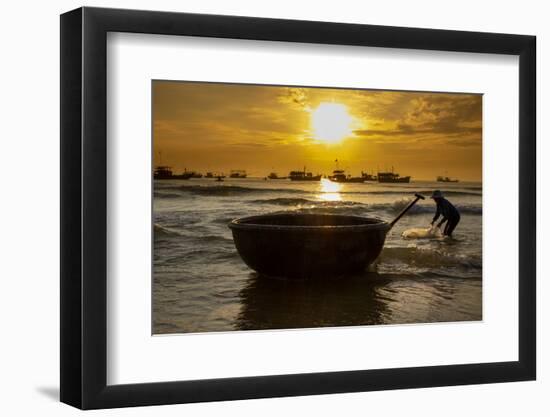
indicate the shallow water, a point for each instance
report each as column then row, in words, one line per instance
column 201, row 284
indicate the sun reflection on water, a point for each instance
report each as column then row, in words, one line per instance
column 329, row 191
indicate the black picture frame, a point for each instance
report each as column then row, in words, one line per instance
column 84, row 207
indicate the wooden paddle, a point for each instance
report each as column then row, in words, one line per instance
column 409, row 206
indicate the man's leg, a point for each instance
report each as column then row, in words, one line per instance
column 451, row 225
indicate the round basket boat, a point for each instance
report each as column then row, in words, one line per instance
column 296, row 245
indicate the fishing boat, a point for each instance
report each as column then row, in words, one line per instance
column 446, row 179
column 303, row 176
column 392, row 177
column 305, row 245
column 339, row 175
column 185, row 175
column 163, row 172
column 368, row 177
column 209, row 175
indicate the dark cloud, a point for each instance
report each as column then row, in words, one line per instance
column 436, row 114
column 295, row 96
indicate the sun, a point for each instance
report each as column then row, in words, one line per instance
column 331, row 122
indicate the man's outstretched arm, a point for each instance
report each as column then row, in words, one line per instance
column 437, row 213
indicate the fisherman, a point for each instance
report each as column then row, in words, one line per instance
column 445, row 209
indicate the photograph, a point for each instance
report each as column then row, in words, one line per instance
column 294, row 207
column 283, row 206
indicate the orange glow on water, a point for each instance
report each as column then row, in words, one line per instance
column 330, row 191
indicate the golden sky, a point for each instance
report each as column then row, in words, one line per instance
column 219, row 127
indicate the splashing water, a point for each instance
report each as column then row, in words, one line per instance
column 432, row 232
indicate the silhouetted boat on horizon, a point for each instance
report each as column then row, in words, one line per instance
column 163, row 172
column 368, row 177
column 303, row 176
column 339, row 175
column 185, row 175
column 446, row 179
column 392, row 177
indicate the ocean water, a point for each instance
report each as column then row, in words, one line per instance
column 200, row 284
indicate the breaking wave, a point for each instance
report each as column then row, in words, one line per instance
column 400, row 204
column 304, row 201
column 158, row 194
column 285, row 201
column 161, row 231
column 230, row 190
column 425, row 193
column 352, row 207
column 429, row 258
